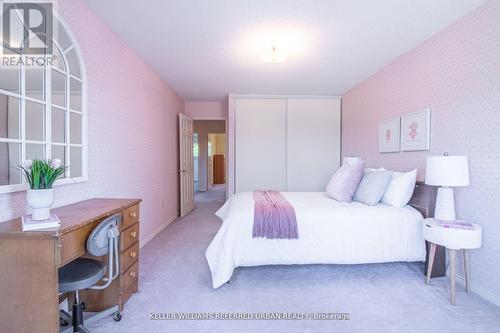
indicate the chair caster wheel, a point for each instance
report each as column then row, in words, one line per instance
column 117, row 316
column 83, row 305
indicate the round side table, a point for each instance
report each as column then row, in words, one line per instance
column 454, row 239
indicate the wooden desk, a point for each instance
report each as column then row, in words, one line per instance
column 29, row 298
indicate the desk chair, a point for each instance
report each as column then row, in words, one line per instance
column 84, row 273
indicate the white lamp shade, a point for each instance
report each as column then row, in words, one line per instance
column 447, row 171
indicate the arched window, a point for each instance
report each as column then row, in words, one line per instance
column 43, row 111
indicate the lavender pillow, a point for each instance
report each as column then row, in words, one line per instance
column 345, row 181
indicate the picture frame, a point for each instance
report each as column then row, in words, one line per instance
column 389, row 133
column 416, row 131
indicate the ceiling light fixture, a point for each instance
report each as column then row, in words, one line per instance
column 272, row 54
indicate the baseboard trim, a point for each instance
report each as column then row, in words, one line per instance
column 160, row 228
column 476, row 289
column 486, row 294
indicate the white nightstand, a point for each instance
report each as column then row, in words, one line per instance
column 454, row 240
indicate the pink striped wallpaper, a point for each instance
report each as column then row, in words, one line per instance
column 457, row 74
column 207, row 109
column 132, row 121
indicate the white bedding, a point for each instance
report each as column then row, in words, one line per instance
column 330, row 232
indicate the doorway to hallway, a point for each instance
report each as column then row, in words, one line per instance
column 209, row 154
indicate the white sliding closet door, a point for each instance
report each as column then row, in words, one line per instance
column 260, row 140
column 313, row 142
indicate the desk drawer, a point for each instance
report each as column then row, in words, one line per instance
column 130, row 276
column 126, row 293
column 74, row 243
column 130, row 216
column 128, row 257
column 129, row 236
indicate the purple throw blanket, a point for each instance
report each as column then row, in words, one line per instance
column 274, row 217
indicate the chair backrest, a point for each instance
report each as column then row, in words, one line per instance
column 100, row 237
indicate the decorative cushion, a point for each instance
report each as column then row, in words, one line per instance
column 372, row 187
column 345, row 181
column 352, row 160
column 400, row 189
column 374, row 169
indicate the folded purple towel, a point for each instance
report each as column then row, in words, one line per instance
column 274, row 217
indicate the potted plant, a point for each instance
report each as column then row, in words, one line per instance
column 41, row 175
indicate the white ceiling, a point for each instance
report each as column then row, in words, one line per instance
column 205, row 49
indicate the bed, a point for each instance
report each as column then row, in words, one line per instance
column 330, row 232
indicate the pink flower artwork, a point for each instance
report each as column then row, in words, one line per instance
column 413, row 130
column 388, row 135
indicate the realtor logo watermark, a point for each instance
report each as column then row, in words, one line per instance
column 27, row 33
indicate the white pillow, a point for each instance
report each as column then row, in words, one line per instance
column 352, row 160
column 372, row 187
column 374, row 169
column 400, row 189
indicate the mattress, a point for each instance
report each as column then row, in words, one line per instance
column 330, row 232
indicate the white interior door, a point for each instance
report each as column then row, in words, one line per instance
column 260, row 154
column 313, row 142
column 186, row 170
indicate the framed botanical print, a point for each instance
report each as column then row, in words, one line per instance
column 416, row 131
column 389, row 135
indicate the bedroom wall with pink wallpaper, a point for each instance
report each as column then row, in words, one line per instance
column 207, row 109
column 457, row 74
column 132, row 127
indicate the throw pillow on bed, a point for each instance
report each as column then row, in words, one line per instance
column 374, row 169
column 372, row 187
column 400, row 189
column 345, row 181
column 352, row 160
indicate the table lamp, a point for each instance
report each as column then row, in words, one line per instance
column 446, row 171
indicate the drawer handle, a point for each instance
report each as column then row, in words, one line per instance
column 133, row 214
column 133, row 254
column 132, row 274
column 133, row 234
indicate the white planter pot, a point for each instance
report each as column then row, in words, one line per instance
column 40, row 201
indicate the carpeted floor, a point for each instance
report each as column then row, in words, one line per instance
column 174, row 278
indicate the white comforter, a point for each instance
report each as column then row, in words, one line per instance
column 330, row 232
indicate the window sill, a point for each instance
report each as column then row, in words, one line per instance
column 23, row 187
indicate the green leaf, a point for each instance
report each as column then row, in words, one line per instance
column 42, row 174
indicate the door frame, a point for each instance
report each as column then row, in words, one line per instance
column 226, row 122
